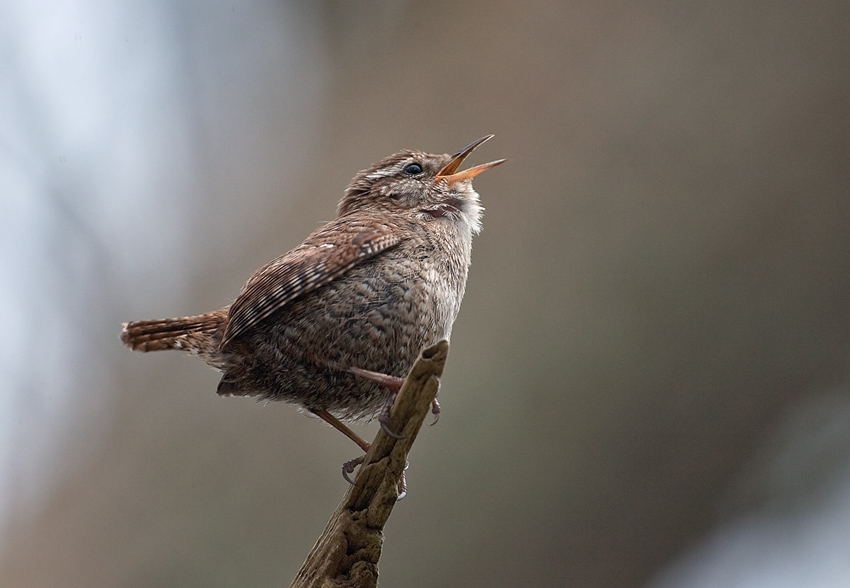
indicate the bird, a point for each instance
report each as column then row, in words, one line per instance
column 334, row 325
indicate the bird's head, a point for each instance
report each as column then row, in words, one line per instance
column 423, row 184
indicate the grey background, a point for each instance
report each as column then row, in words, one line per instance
column 648, row 379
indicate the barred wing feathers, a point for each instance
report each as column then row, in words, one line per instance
column 298, row 272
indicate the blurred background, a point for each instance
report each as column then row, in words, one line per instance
column 648, row 383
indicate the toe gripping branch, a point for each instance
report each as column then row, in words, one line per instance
column 401, row 417
column 358, row 521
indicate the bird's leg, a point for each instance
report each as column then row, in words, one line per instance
column 391, row 383
column 340, row 426
column 351, row 465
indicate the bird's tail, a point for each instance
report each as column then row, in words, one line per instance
column 199, row 334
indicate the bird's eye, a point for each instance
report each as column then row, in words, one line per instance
column 412, row 169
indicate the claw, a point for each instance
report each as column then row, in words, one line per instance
column 435, row 410
column 384, row 416
column 389, row 432
column 402, row 482
column 349, row 467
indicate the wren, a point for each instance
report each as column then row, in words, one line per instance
column 334, row 324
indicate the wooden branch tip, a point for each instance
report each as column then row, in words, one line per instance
column 347, row 552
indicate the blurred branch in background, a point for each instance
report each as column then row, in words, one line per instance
column 347, row 552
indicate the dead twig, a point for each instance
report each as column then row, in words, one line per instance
column 347, row 552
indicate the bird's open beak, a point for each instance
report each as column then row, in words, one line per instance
column 450, row 173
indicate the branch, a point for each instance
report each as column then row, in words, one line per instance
column 346, row 554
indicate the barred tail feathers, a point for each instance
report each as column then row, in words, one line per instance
column 197, row 334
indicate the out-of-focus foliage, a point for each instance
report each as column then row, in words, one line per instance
column 662, row 278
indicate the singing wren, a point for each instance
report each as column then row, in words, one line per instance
column 361, row 296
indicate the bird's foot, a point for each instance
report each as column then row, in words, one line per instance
column 391, row 383
column 352, row 464
column 349, row 467
column 435, row 410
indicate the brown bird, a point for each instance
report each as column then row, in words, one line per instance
column 334, row 324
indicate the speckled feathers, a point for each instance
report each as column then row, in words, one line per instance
column 368, row 290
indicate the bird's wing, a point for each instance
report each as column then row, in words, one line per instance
column 302, row 270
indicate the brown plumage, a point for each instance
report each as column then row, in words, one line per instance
column 368, row 290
